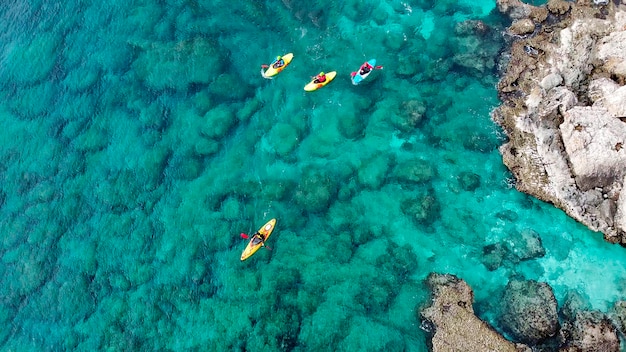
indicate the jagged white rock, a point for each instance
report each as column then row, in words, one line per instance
column 565, row 113
column 593, row 139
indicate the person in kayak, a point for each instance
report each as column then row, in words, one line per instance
column 257, row 238
column 279, row 62
column 321, row 78
column 365, row 68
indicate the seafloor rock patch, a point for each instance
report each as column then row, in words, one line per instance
column 423, row 208
column 409, row 115
column 468, row 181
column 518, row 246
column 413, row 171
column 372, row 173
column 472, row 47
column 177, row 64
column 315, row 191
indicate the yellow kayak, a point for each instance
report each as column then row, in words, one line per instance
column 255, row 242
column 273, row 70
column 314, row 86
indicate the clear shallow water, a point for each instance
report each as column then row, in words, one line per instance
column 139, row 140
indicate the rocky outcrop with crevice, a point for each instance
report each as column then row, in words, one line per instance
column 451, row 320
column 564, row 108
column 529, row 313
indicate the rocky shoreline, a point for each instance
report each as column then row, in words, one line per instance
column 564, row 108
column 529, row 315
column 451, row 321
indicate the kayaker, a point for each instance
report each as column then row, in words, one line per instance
column 321, row 78
column 365, row 68
column 257, row 238
column 279, row 62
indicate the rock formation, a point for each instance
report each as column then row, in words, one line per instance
column 564, row 108
column 590, row 331
column 451, row 320
column 517, row 247
column 529, row 313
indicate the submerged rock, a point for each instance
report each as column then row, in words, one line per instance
column 574, row 303
column 413, row 171
column 177, row 65
column 515, row 9
column 494, row 256
column 472, row 27
column 529, row 311
column 469, row 181
column 563, row 108
column 618, row 315
column 525, row 245
column 423, row 209
column 451, row 320
column 518, row 246
column 475, row 46
column 410, row 114
column 315, row 191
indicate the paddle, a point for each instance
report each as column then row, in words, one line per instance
column 265, row 66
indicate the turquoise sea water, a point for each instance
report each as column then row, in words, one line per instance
column 139, row 139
